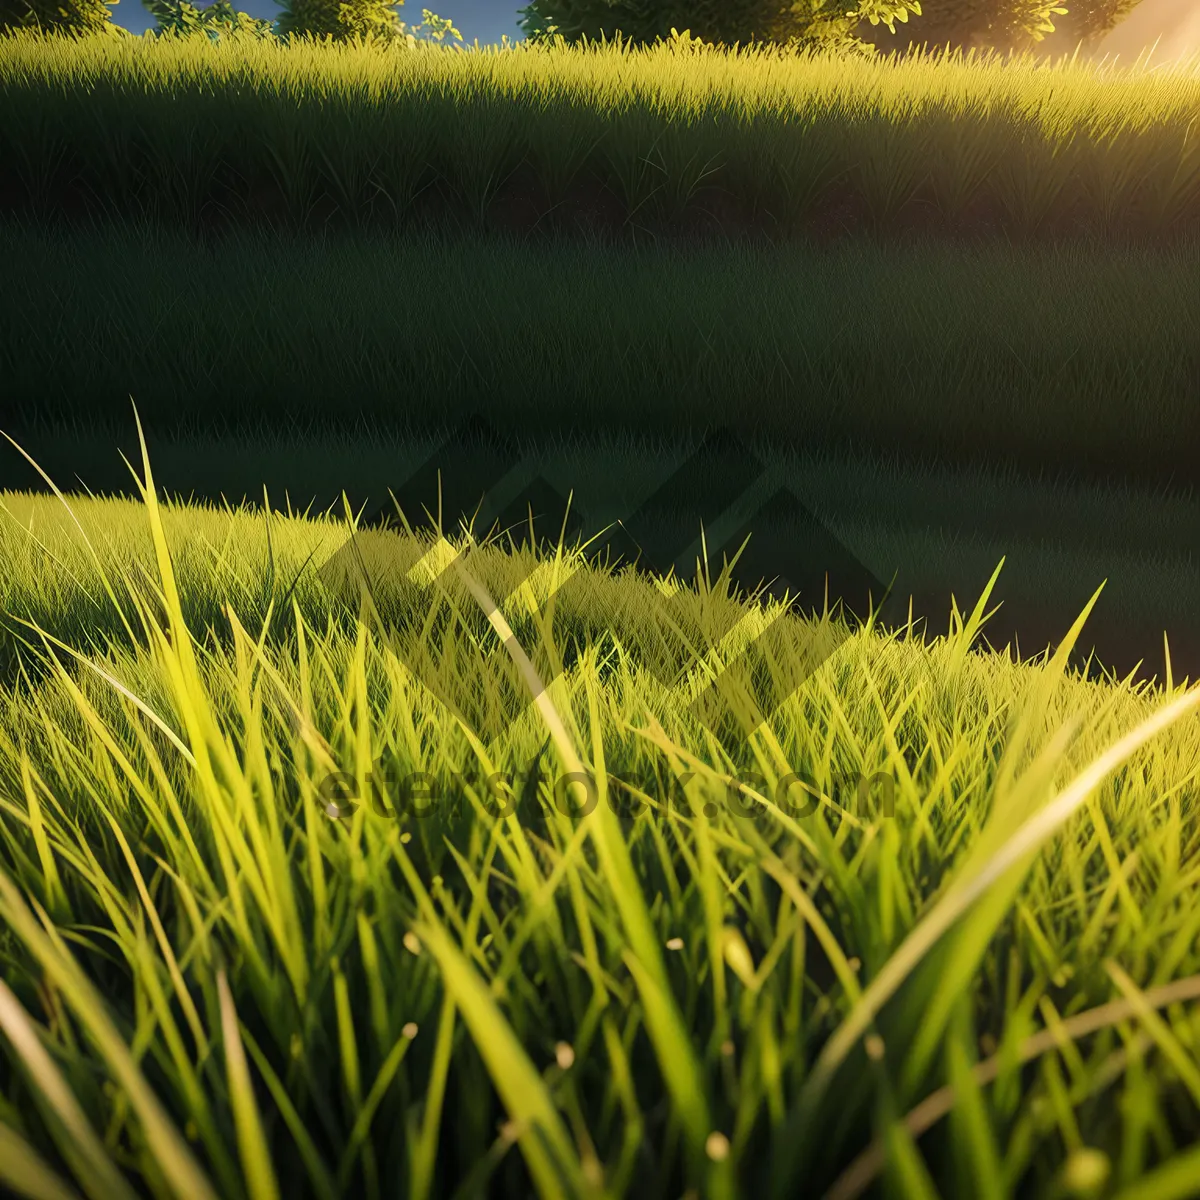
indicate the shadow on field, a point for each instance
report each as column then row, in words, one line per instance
column 721, row 503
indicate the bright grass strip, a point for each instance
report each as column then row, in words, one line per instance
column 1098, row 140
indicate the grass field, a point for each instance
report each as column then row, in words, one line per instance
column 300, row 133
column 344, row 859
column 1077, row 356
column 212, row 987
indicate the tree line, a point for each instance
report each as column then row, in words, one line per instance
column 855, row 26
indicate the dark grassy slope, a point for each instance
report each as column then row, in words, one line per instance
column 1078, row 357
column 1051, row 352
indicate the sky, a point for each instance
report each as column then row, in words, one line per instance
column 482, row 19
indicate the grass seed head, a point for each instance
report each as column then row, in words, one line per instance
column 717, row 1146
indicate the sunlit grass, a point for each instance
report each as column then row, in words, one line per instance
column 215, row 988
column 157, row 125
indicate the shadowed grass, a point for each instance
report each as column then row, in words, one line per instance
column 1081, row 356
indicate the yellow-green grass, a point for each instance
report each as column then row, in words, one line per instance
column 289, row 129
column 212, row 987
column 929, row 532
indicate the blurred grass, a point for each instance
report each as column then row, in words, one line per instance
column 1083, row 356
column 239, row 994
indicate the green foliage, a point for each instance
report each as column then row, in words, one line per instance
column 1015, row 24
column 823, row 23
column 339, row 20
column 436, row 27
column 216, row 20
column 374, row 20
column 838, row 24
column 57, row 16
column 358, row 20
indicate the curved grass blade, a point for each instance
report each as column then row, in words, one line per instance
column 78, row 1142
column 545, row 1143
column 252, row 1143
column 26, row 1173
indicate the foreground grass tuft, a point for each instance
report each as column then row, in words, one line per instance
column 224, row 976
